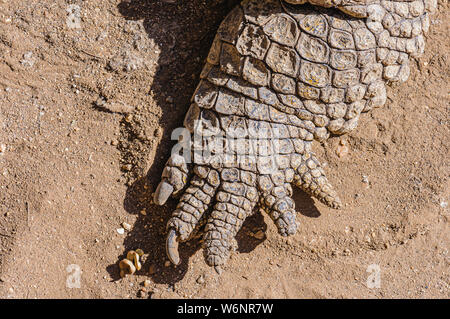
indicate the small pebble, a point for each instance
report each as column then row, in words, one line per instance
column 126, row 226
column 127, row 167
column 152, row 269
column 28, row 59
column 142, row 293
column 143, row 212
column 201, row 279
column 147, row 283
column 100, row 102
column 259, row 235
column 158, row 132
column 121, row 231
column 169, row 99
column 167, row 263
column 129, row 118
column 342, row 149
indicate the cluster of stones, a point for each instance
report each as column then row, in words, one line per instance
column 278, row 76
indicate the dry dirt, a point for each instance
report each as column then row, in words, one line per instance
column 73, row 168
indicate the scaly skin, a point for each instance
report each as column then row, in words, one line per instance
column 279, row 75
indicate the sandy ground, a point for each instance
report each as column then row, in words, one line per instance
column 87, row 106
